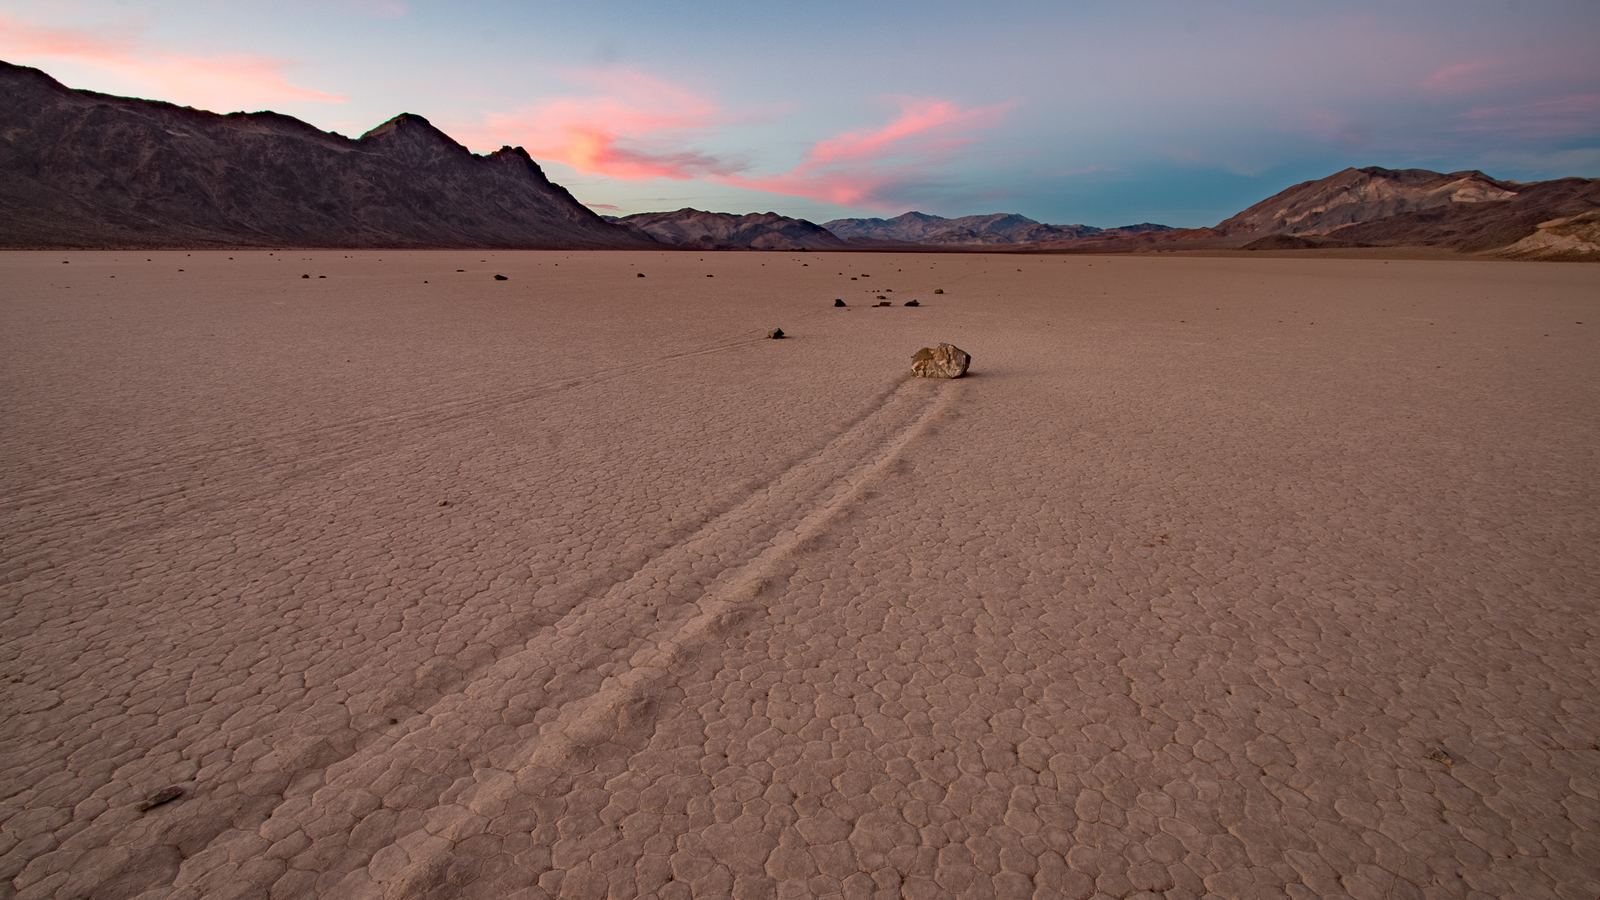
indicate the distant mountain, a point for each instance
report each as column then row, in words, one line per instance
column 1362, row 195
column 995, row 228
column 728, row 231
column 81, row 169
column 1377, row 207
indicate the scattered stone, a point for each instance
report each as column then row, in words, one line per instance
column 639, row 275
column 938, row 290
column 463, row 270
column 883, row 303
column 305, row 276
column 161, row 798
column 444, row 502
column 1442, row 757
column 322, row 276
column 838, row 303
column 913, row 303
column 943, row 361
column 775, row 334
column 501, row 278
column 882, row 297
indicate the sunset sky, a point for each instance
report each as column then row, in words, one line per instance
column 1100, row 113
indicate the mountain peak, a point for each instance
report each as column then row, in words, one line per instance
column 409, row 126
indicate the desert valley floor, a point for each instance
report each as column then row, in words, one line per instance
column 1254, row 577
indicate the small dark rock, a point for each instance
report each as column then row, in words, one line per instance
column 913, row 303
column 160, row 798
column 775, row 334
column 938, row 290
column 839, row 303
column 883, row 303
column 639, row 275
column 444, row 502
column 1441, row 756
column 305, row 276
column 501, row 278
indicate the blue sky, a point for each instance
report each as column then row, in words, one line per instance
column 1100, row 113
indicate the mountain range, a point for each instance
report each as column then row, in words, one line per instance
column 83, row 169
column 701, row 230
column 994, row 228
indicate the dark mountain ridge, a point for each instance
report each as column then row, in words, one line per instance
column 82, row 169
column 992, row 229
column 697, row 229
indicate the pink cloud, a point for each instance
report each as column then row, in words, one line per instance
column 1462, row 76
column 1555, row 117
column 219, row 81
column 606, row 206
column 861, row 168
column 627, row 125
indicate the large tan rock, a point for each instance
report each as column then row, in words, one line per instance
column 943, row 361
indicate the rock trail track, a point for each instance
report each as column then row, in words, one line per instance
column 1218, row 578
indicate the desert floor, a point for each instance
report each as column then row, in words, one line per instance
column 1249, row 577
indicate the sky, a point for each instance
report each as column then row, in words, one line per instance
column 1099, row 113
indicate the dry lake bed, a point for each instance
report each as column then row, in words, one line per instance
column 1250, row 577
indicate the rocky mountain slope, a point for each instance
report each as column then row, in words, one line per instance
column 995, row 228
column 728, row 231
column 1361, row 195
column 81, row 169
column 1479, row 225
column 1571, row 238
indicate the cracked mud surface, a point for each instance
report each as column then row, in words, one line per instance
column 1240, row 577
